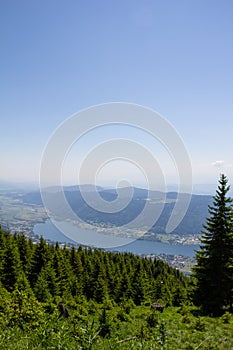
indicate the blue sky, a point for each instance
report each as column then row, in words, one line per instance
column 59, row 57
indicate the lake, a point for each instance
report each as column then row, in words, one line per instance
column 93, row 238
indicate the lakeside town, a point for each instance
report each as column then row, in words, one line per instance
column 16, row 216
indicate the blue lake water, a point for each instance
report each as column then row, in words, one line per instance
column 93, row 238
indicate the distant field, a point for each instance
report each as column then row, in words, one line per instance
column 13, row 210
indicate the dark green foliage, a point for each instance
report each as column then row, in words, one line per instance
column 108, row 296
column 24, row 250
column 105, row 324
column 38, row 261
column 41, row 288
column 152, row 319
column 2, row 248
column 11, row 265
column 214, row 269
column 52, row 272
column 140, row 284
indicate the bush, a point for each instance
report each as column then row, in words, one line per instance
column 23, row 310
column 226, row 318
column 123, row 316
column 105, row 325
column 152, row 319
column 200, row 325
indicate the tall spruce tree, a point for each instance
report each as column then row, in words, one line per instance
column 214, row 269
column 11, row 266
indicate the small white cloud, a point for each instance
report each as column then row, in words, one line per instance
column 218, row 163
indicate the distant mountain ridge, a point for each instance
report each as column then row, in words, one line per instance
column 190, row 225
column 73, row 188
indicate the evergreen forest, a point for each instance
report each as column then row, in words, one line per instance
column 57, row 297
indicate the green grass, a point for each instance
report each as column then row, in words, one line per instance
column 125, row 327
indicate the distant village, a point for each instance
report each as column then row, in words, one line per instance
column 180, row 262
column 17, row 217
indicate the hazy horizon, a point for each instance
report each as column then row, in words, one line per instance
column 205, row 189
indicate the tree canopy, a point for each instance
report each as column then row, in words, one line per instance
column 54, row 271
column 214, row 268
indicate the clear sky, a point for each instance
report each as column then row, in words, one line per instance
column 58, row 57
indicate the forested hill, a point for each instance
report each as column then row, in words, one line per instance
column 190, row 225
column 52, row 297
column 52, row 272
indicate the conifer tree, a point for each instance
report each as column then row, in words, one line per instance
column 11, row 266
column 2, row 249
column 24, row 250
column 140, row 284
column 62, row 271
column 124, row 290
column 214, row 269
column 41, row 288
column 38, row 261
column 76, row 263
column 100, row 288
